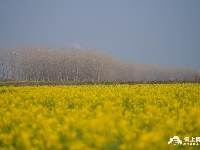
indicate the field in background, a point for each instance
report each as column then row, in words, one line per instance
column 128, row 117
column 109, row 82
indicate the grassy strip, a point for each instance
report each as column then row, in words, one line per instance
column 40, row 83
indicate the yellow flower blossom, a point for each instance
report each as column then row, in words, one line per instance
column 94, row 117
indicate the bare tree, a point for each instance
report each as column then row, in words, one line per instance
column 2, row 65
column 80, row 64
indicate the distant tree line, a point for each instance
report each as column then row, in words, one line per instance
column 37, row 63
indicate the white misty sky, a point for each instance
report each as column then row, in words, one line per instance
column 162, row 32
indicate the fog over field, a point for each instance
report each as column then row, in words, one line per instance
column 163, row 33
column 37, row 63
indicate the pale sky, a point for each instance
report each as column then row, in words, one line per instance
column 161, row 32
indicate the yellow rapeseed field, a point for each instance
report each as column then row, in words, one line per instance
column 99, row 117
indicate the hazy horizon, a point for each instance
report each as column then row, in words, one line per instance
column 164, row 33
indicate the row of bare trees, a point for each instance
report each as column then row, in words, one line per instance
column 79, row 64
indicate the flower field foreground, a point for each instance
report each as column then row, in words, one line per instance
column 91, row 117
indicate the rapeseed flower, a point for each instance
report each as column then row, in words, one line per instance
column 96, row 117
